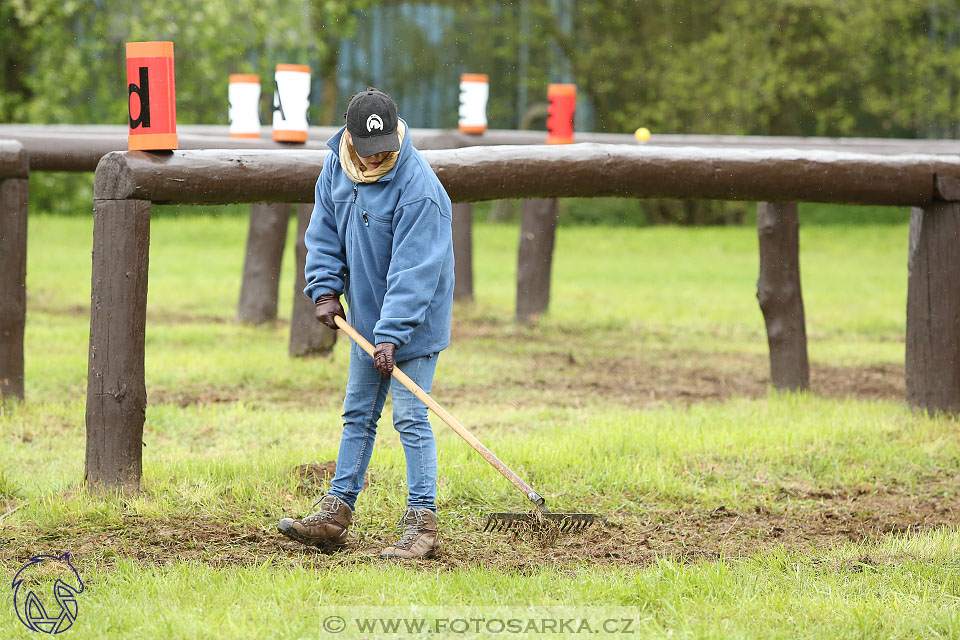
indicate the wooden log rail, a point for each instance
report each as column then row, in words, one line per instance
column 127, row 183
column 14, row 192
column 76, row 148
column 80, row 147
column 580, row 170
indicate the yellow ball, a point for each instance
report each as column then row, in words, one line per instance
column 642, row 134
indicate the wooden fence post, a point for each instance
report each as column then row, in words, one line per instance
column 261, row 268
column 463, row 251
column 116, row 392
column 779, row 294
column 308, row 336
column 538, row 224
column 933, row 308
column 14, row 194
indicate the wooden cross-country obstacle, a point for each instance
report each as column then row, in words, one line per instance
column 128, row 183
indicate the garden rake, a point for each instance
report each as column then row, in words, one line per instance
column 539, row 519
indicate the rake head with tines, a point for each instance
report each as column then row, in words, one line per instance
column 558, row 522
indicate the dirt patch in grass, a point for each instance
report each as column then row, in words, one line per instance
column 710, row 534
column 314, row 475
column 314, row 478
column 191, row 397
column 881, row 381
column 618, row 367
column 795, row 520
column 671, row 379
column 562, row 380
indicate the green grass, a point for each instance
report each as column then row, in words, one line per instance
column 230, row 415
column 910, row 592
column 621, row 461
column 895, row 589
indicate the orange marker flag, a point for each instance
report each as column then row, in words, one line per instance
column 151, row 93
column 563, row 104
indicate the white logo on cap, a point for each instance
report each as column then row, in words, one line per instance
column 374, row 122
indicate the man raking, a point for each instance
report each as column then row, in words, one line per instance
column 380, row 236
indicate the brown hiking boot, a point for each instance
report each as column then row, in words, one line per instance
column 420, row 538
column 327, row 528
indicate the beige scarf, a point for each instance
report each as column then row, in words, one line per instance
column 352, row 166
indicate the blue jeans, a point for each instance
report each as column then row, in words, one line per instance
column 366, row 393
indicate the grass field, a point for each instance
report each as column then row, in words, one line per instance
column 733, row 511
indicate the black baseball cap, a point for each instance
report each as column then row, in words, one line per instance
column 372, row 123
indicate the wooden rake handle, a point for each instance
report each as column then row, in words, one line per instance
column 445, row 415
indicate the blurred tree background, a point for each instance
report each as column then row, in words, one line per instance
column 888, row 68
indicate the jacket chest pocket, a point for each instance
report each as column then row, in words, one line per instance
column 370, row 218
column 370, row 233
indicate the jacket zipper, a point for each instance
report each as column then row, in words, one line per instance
column 363, row 214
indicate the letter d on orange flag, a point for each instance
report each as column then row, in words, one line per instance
column 151, row 93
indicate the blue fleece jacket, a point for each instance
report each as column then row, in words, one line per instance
column 388, row 247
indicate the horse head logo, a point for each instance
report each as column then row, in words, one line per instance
column 374, row 122
column 40, row 574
